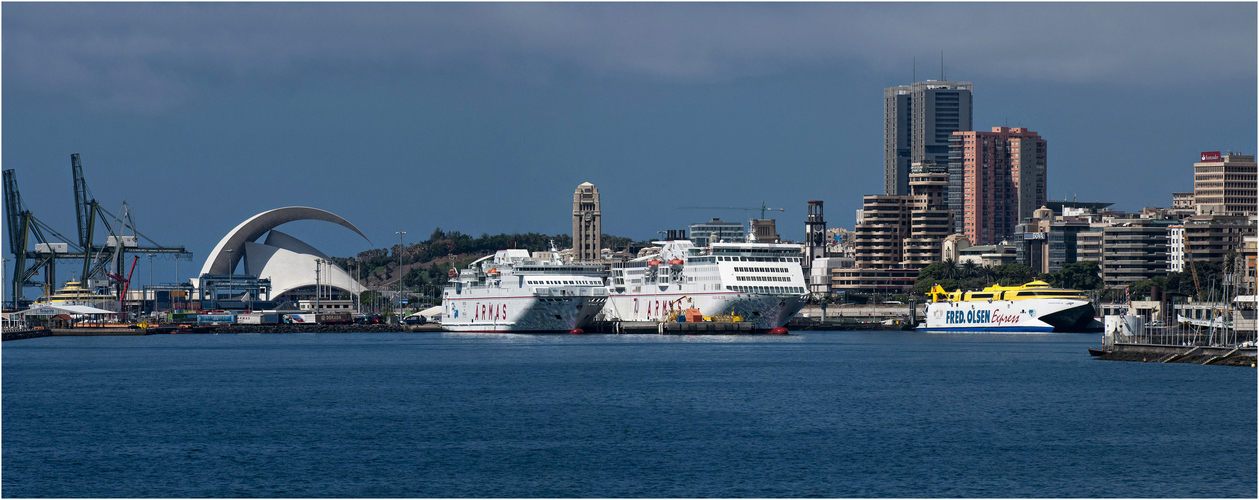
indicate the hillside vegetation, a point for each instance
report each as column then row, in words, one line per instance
column 425, row 264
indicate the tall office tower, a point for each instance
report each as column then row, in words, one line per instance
column 1225, row 184
column 1003, row 180
column 587, row 223
column 918, row 120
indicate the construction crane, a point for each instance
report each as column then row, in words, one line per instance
column 763, row 208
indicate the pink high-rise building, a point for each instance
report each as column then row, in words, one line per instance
column 1003, row 180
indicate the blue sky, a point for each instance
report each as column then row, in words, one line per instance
column 485, row 117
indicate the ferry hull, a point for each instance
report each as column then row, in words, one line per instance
column 764, row 311
column 1029, row 316
column 520, row 314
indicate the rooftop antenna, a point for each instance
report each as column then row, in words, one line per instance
column 942, row 66
column 915, row 72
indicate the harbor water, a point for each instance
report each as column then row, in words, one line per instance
column 826, row 414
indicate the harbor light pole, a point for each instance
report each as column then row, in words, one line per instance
column 150, row 290
column 230, row 269
column 399, row 312
column 318, row 267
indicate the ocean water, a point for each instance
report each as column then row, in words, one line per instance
column 815, row 414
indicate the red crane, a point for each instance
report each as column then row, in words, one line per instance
column 122, row 297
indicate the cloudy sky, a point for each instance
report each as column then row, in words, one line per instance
column 484, row 117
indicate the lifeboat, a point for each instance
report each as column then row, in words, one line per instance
column 676, row 262
column 654, row 262
column 492, row 271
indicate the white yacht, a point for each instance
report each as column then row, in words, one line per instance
column 513, row 291
column 761, row 282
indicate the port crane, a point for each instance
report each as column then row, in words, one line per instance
column 23, row 226
column 762, row 208
column 125, row 282
column 96, row 258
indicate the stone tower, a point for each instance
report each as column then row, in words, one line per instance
column 587, row 223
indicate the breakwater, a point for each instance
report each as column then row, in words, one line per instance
column 1200, row 355
column 25, row 334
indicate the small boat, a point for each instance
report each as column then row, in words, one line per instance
column 1097, row 352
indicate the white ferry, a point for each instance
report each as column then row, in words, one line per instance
column 1033, row 307
column 761, row 282
column 513, row 291
column 75, row 294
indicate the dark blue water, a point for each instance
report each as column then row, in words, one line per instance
column 829, row 414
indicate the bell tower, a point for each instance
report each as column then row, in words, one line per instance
column 587, row 223
column 815, row 238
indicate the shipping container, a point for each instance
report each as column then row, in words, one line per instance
column 300, row 318
column 216, row 319
column 327, row 318
column 257, row 319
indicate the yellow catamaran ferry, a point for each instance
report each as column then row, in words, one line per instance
column 1032, row 307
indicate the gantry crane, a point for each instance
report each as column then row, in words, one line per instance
column 97, row 259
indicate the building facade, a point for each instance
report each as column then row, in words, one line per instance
column 1134, row 250
column 1003, row 181
column 918, row 120
column 905, row 231
column 930, row 220
column 1206, row 238
column 1046, row 243
column 587, row 223
column 763, row 231
column 1225, row 184
column 714, row 231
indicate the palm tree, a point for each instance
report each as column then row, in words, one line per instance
column 989, row 274
column 970, row 270
column 950, row 269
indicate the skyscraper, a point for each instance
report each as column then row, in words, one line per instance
column 1003, row 180
column 918, row 120
column 587, row 223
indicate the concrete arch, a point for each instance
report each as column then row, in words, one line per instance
column 220, row 261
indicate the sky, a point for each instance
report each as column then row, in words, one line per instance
column 484, row 117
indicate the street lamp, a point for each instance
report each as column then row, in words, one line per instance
column 400, row 233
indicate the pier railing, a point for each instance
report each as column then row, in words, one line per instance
column 1135, row 330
